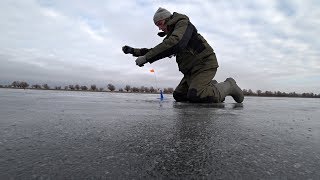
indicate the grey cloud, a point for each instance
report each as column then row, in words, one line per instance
column 81, row 41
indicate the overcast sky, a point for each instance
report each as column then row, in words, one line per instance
column 263, row 44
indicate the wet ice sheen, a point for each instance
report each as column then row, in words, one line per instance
column 72, row 135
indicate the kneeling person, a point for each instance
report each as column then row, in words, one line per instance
column 194, row 56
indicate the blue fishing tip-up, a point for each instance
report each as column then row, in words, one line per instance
column 161, row 95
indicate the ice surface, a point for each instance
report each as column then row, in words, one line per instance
column 72, row 135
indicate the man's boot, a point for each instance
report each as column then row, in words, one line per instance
column 230, row 87
column 216, row 82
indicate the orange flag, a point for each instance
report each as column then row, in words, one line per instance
column 151, row 70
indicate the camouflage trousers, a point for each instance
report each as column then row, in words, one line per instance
column 198, row 87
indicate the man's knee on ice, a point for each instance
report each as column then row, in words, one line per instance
column 195, row 98
column 179, row 97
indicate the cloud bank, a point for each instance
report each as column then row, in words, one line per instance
column 266, row 45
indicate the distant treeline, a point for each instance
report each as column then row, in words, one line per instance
column 278, row 94
column 93, row 87
column 143, row 89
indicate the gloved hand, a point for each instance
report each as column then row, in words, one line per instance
column 127, row 49
column 141, row 60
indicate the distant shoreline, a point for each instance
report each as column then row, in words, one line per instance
column 126, row 92
column 80, row 90
column 84, row 90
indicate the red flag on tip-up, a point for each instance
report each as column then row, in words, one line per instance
column 151, row 70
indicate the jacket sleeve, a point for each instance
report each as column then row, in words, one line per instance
column 140, row 51
column 178, row 39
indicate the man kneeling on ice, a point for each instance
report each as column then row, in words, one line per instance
column 195, row 57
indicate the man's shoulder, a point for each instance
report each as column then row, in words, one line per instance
column 179, row 15
column 176, row 17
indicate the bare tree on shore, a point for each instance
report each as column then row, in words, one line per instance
column 111, row 87
column 135, row 89
column 146, row 90
column 36, row 86
column 14, row 84
column 93, row 87
column 127, row 88
column 45, row 86
column 152, row 90
column 71, row 87
column 84, row 88
column 23, row 85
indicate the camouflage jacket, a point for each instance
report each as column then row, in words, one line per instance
column 183, row 41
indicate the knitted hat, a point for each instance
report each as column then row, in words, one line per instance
column 161, row 14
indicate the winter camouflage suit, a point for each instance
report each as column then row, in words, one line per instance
column 195, row 57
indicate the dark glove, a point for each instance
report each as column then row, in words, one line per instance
column 162, row 34
column 127, row 49
column 141, row 60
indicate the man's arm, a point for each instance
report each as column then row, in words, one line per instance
column 140, row 52
column 135, row 51
column 171, row 45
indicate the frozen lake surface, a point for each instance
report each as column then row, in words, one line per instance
column 92, row 135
